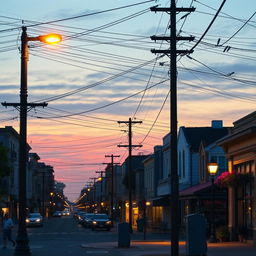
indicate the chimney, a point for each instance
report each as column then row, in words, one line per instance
column 217, row 124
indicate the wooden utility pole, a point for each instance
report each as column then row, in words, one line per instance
column 94, row 190
column 174, row 184
column 101, row 181
column 112, row 184
column 130, row 146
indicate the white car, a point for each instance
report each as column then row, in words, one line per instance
column 34, row 219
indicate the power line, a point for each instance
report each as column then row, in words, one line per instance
column 239, row 29
column 209, row 26
column 104, row 106
column 79, row 16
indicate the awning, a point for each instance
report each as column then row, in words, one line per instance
column 203, row 191
column 161, row 201
column 195, row 189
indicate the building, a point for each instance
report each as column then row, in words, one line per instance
column 9, row 139
column 42, row 184
column 137, row 163
column 155, row 204
column 196, row 148
column 240, row 148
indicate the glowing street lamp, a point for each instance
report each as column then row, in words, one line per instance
column 212, row 169
column 22, row 247
column 50, row 38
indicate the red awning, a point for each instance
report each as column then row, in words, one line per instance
column 195, row 189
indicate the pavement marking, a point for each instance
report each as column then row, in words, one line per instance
column 94, row 252
column 36, row 247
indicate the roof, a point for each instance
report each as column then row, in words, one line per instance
column 207, row 135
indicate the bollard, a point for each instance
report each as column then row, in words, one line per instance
column 124, row 235
column 196, row 235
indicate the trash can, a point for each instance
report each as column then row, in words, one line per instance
column 140, row 225
column 124, row 235
column 196, row 244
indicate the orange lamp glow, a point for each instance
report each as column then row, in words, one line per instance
column 50, row 38
column 212, row 168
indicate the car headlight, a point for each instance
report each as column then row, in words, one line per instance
column 94, row 222
column 27, row 220
column 38, row 220
column 108, row 222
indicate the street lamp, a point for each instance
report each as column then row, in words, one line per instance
column 212, row 169
column 22, row 247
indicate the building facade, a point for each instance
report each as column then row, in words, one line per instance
column 240, row 148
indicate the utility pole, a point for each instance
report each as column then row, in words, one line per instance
column 130, row 146
column 22, row 247
column 101, row 180
column 174, row 184
column 112, row 184
column 94, row 189
column 43, row 196
column 89, row 190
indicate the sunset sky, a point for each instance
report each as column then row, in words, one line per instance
column 103, row 72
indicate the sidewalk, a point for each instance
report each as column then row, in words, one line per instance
column 163, row 248
column 158, row 244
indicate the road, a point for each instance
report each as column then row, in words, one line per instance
column 63, row 236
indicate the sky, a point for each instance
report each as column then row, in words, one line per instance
column 104, row 72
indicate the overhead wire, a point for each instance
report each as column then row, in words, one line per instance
column 80, row 16
column 209, row 26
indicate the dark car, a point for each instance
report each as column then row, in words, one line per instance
column 101, row 221
column 87, row 219
column 57, row 214
column 80, row 217
column 34, row 219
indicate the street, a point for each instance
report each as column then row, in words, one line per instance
column 64, row 236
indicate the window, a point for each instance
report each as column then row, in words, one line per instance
column 222, row 163
column 183, row 165
column 179, row 169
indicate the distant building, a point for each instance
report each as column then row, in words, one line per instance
column 42, row 184
column 137, row 163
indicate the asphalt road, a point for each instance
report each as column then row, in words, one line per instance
column 63, row 236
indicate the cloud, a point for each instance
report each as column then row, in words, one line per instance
column 70, row 12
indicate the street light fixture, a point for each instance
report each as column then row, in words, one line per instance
column 212, row 169
column 22, row 247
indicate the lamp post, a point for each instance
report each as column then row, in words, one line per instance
column 212, row 169
column 22, row 247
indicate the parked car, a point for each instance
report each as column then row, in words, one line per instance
column 87, row 220
column 57, row 214
column 34, row 219
column 65, row 213
column 80, row 217
column 101, row 221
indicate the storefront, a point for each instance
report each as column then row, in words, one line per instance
column 240, row 148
